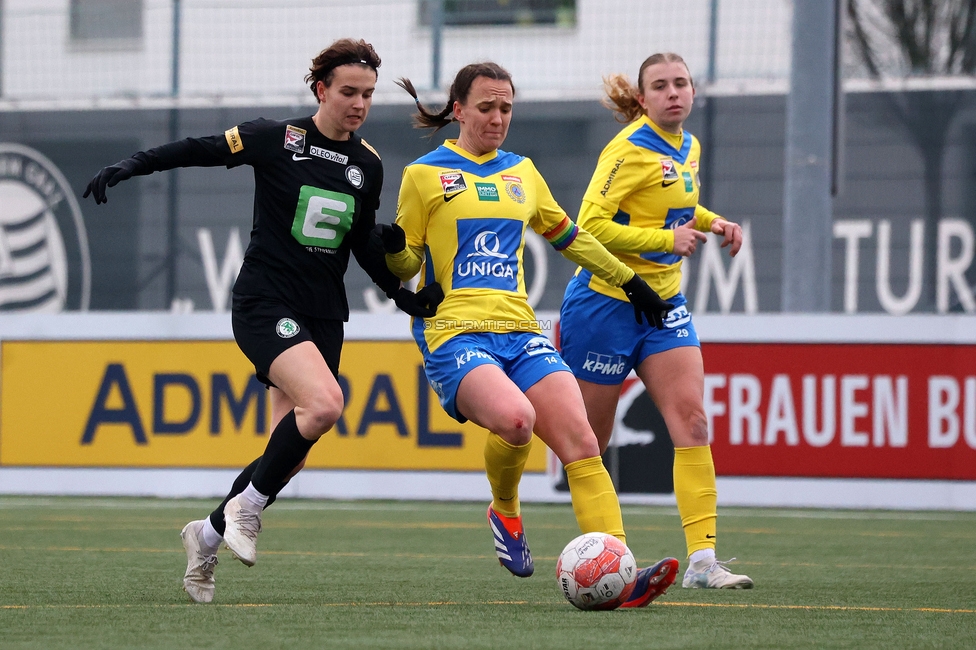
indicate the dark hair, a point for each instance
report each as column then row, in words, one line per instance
column 460, row 89
column 342, row 52
column 622, row 95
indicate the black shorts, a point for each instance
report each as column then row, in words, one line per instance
column 264, row 328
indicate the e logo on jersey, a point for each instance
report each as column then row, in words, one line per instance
column 487, row 254
column 322, row 218
column 44, row 260
column 294, row 138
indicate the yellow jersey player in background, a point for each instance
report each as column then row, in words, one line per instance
column 642, row 204
column 461, row 220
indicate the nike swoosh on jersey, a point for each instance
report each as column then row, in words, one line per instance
column 667, row 184
column 295, row 156
column 453, row 196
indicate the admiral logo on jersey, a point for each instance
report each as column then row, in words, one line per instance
column 233, row 137
column 294, row 138
column 613, row 174
column 669, row 173
column 487, row 254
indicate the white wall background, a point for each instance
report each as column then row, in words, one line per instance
column 262, row 48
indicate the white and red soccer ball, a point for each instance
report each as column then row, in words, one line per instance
column 596, row 571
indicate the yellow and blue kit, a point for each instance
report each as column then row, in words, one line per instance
column 646, row 184
column 464, row 218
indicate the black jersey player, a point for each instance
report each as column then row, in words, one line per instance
column 317, row 188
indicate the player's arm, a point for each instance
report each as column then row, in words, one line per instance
column 230, row 148
column 618, row 238
column 579, row 246
column 731, row 233
column 366, row 247
column 369, row 251
column 404, row 240
column 621, row 170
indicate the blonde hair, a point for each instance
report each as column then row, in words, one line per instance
column 622, row 94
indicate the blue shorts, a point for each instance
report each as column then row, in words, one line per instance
column 524, row 357
column 601, row 340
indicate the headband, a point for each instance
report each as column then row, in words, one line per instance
column 345, row 60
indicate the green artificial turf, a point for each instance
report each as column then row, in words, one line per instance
column 106, row 573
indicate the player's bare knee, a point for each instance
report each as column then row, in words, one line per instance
column 698, row 427
column 324, row 412
column 516, row 426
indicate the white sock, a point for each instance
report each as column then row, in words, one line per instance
column 209, row 536
column 705, row 555
column 254, row 499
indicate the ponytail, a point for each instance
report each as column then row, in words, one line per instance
column 621, row 98
column 459, row 92
column 424, row 119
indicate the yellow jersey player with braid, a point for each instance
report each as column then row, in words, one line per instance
column 642, row 204
column 461, row 221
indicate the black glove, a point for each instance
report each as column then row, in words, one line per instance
column 393, row 238
column 646, row 301
column 112, row 176
column 422, row 304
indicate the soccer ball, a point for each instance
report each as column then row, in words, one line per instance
column 596, row 571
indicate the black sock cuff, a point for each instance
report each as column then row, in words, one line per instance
column 286, row 449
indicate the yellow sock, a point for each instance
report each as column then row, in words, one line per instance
column 503, row 465
column 594, row 499
column 694, row 490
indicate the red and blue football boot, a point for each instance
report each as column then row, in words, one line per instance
column 510, row 545
column 652, row 582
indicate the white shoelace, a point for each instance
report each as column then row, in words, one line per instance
column 208, row 564
column 720, row 564
column 249, row 523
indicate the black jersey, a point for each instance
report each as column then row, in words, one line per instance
column 315, row 200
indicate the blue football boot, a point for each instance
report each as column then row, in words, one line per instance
column 510, row 545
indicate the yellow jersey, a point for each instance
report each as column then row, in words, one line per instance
column 465, row 217
column 646, row 183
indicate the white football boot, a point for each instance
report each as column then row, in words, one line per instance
column 198, row 581
column 714, row 574
column 242, row 527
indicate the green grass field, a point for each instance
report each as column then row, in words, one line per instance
column 106, row 573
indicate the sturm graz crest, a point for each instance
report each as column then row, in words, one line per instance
column 44, row 260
